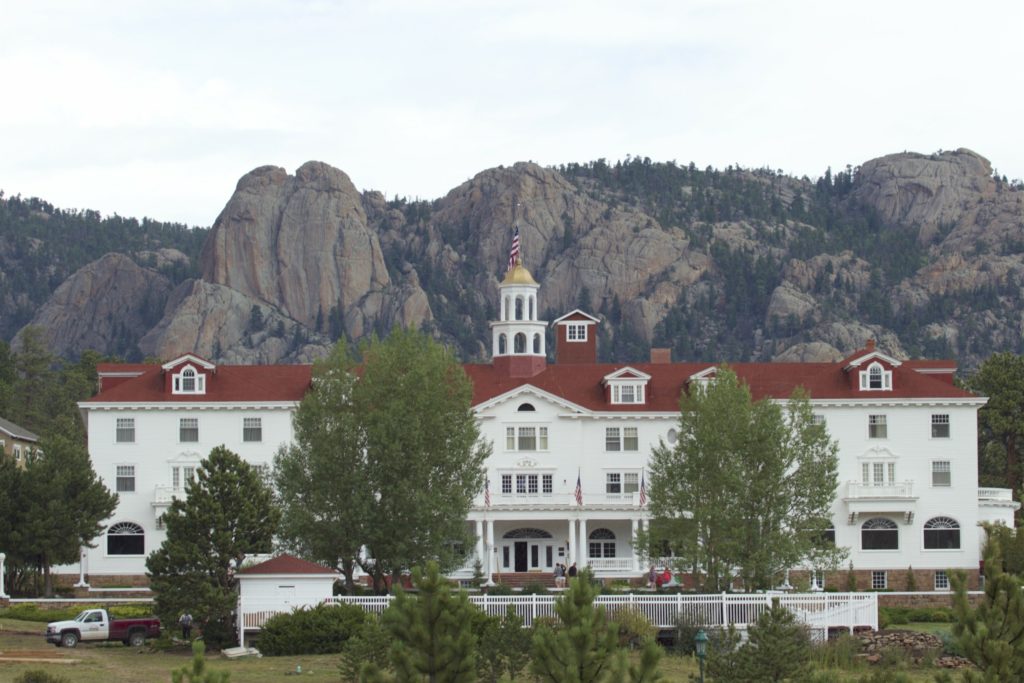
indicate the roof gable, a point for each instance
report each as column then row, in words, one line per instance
column 188, row 358
column 287, row 564
column 626, row 373
column 576, row 316
column 16, row 431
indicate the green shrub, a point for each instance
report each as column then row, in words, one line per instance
column 500, row 589
column 534, row 588
column 40, row 676
column 838, row 653
column 310, row 631
column 951, row 645
column 886, row 676
column 634, row 626
column 30, row 611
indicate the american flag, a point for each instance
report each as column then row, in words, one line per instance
column 487, row 493
column 643, row 490
column 514, row 253
column 579, row 490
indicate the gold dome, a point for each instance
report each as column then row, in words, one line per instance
column 518, row 276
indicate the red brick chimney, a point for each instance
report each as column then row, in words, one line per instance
column 661, row 356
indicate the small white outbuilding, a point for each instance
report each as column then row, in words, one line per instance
column 281, row 584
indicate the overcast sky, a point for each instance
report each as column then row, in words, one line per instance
column 156, row 109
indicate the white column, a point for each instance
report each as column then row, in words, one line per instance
column 82, row 557
column 636, row 555
column 571, row 557
column 490, row 548
column 3, row 559
column 480, row 545
column 582, row 561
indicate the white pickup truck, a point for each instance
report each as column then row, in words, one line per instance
column 96, row 625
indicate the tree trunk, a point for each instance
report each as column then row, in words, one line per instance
column 47, row 580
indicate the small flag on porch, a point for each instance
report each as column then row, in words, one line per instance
column 513, row 255
column 643, row 490
column 487, row 493
column 579, row 490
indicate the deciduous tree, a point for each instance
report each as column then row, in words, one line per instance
column 747, row 490
column 227, row 514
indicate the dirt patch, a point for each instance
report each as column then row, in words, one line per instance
column 36, row 656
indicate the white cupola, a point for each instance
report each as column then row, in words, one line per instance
column 518, row 337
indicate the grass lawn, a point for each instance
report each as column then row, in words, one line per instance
column 103, row 663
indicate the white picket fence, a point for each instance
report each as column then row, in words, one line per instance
column 820, row 611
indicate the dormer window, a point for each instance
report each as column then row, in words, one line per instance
column 876, row 378
column 189, row 381
column 576, row 332
column 627, row 393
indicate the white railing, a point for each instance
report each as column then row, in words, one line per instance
column 612, row 564
column 901, row 489
column 995, row 494
column 820, row 611
column 163, row 495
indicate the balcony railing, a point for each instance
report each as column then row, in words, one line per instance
column 892, row 490
column 612, row 564
column 995, row 494
column 163, row 495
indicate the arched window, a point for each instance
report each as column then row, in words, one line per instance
column 602, row 543
column 527, row 533
column 519, row 308
column 536, row 343
column 506, row 309
column 526, row 408
column 941, row 533
column 533, row 314
column 879, row 533
column 502, row 344
column 876, row 378
column 188, row 380
column 519, row 343
column 126, row 538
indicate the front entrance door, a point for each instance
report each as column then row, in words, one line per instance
column 521, row 565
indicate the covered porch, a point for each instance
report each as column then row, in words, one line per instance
column 521, row 540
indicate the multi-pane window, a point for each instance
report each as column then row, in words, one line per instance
column 613, row 482
column 528, row 484
column 879, row 580
column 621, row 482
column 878, row 473
column 126, row 538
column 941, row 533
column 17, row 453
column 877, row 428
column 941, row 580
column 876, row 378
column 624, row 439
column 602, row 543
column 125, row 430
column 818, row 419
column 940, row 426
column 576, row 332
column 630, row 482
column 941, row 475
column 188, row 430
column 879, row 533
column 189, row 382
column 181, row 475
column 252, row 429
column 627, row 393
column 125, row 479
column 526, row 438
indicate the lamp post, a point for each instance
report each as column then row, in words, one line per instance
column 700, row 642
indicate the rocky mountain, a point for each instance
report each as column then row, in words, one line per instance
column 923, row 252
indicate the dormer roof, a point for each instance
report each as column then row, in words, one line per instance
column 626, row 373
column 576, row 316
column 866, row 355
column 189, row 358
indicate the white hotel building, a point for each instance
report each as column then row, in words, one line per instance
column 908, row 493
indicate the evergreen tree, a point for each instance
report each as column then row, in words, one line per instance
column 583, row 647
column 60, row 505
column 432, row 633
column 1001, row 420
column 778, row 649
column 196, row 671
column 991, row 635
column 227, row 514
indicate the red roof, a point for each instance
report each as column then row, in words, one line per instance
column 581, row 383
column 287, row 564
column 263, row 383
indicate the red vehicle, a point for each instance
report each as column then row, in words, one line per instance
column 96, row 625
